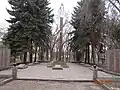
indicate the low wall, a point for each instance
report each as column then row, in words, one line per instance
column 4, row 57
column 113, row 60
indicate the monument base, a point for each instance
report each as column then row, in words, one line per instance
column 58, row 62
column 57, row 67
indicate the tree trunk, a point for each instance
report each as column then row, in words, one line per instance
column 14, row 59
column 93, row 54
column 42, row 53
column 57, row 54
column 35, row 54
column 39, row 53
column 74, row 56
column 41, row 56
column 67, row 54
column 88, row 54
column 21, row 56
column 30, row 56
column 47, row 54
column 25, row 57
column 30, row 53
column 62, row 55
column 77, row 56
column 51, row 55
column 98, row 54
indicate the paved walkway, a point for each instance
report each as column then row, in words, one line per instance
column 49, row 85
column 74, row 72
column 41, row 71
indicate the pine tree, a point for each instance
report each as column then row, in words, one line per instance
column 13, row 37
column 87, row 19
column 30, row 25
column 80, row 38
column 97, row 10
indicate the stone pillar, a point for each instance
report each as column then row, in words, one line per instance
column 14, row 71
column 60, row 41
column 95, row 74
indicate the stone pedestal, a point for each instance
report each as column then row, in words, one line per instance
column 57, row 67
column 14, row 72
column 95, row 74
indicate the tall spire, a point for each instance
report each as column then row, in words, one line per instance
column 61, row 11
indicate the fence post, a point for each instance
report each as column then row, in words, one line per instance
column 95, row 74
column 14, row 71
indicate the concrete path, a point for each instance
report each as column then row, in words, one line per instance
column 41, row 71
column 74, row 72
column 49, row 85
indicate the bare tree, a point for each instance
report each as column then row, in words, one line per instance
column 55, row 38
column 115, row 3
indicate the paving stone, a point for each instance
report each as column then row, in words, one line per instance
column 41, row 71
column 74, row 72
column 49, row 85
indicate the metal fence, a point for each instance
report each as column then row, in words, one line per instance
column 4, row 57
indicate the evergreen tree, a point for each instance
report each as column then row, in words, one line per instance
column 30, row 25
column 79, row 39
column 87, row 19
column 97, row 10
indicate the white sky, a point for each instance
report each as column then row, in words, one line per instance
column 55, row 4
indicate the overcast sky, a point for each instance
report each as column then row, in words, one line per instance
column 55, row 4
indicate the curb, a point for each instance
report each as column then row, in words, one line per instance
column 6, row 81
column 5, row 76
column 110, row 72
column 55, row 80
column 103, row 85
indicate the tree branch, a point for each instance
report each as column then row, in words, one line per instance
column 114, row 5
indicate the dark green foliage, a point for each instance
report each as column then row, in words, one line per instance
column 30, row 25
column 79, row 38
column 87, row 19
